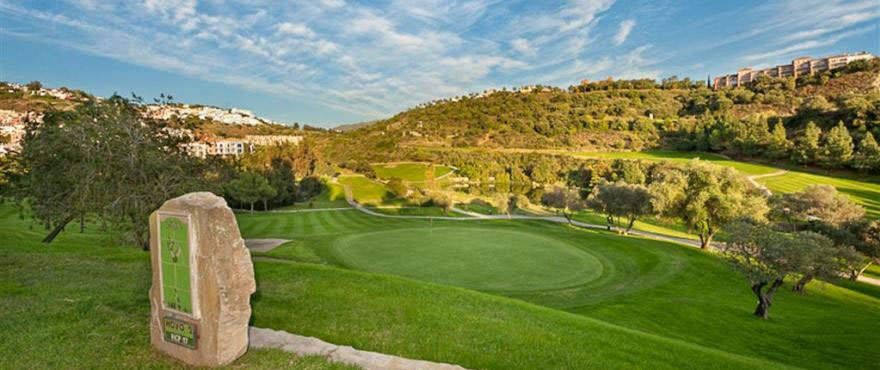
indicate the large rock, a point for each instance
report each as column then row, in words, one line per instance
column 215, row 300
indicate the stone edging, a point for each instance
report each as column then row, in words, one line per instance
column 307, row 346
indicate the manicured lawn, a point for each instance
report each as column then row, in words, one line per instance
column 647, row 286
column 873, row 271
column 499, row 260
column 332, row 197
column 862, row 192
column 648, row 224
column 415, row 211
column 744, row 167
column 366, row 191
column 408, row 171
column 82, row 303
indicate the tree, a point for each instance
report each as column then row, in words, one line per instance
column 868, row 156
column 250, row 187
column 621, row 200
column 105, row 159
column 806, row 145
column 705, row 197
column 629, row 171
column 501, row 201
column 397, row 186
column 837, row 148
column 766, row 257
column 34, row 86
column 816, row 202
column 779, row 144
column 565, row 201
column 282, row 178
column 442, row 201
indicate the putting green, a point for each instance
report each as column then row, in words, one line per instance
column 487, row 259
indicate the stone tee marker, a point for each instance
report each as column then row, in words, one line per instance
column 203, row 278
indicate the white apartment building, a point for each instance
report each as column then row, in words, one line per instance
column 799, row 67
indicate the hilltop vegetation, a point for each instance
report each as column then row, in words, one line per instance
column 760, row 120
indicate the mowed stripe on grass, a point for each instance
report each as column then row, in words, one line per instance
column 645, row 285
column 862, row 192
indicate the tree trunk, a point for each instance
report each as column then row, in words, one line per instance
column 765, row 299
column 58, row 229
column 629, row 227
column 801, row 284
column 856, row 273
column 252, row 207
column 705, row 240
column 265, row 205
column 82, row 224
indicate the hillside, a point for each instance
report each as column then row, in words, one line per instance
column 630, row 115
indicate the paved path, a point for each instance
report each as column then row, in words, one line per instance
column 557, row 219
column 758, row 185
column 868, row 280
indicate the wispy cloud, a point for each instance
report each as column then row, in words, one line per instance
column 623, row 31
column 371, row 59
column 807, row 45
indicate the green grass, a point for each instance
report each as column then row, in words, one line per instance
column 650, row 287
column 501, row 260
column 366, row 191
column 649, row 224
column 744, row 167
column 415, row 211
column 408, row 171
column 480, row 208
column 862, row 192
column 873, row 271
column 82, row 303
column 332, row 197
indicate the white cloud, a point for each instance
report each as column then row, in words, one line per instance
column 623, row 31
column 806, row 45
column 522, row 46
column 295, row 29
column 333, row 3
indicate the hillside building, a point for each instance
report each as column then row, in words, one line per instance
column 803, row 66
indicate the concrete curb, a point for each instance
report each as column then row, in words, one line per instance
column 307, row 346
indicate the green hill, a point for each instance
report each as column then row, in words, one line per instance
column 632, row 115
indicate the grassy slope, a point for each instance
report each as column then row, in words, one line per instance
column 862, row 192
column 364, row 190
column 646, row 289
column 332, row 197
column 873, row 271
column 412, row 171
column 744, row 167
column 650, row 286
column 83, row 303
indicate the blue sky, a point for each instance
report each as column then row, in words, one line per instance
column 327, row 62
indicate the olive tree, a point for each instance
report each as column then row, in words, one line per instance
column 815, row 203
column 620, row 200
column 104, row 159
column 767, row 257
column 564, row 201
column 705, row 197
